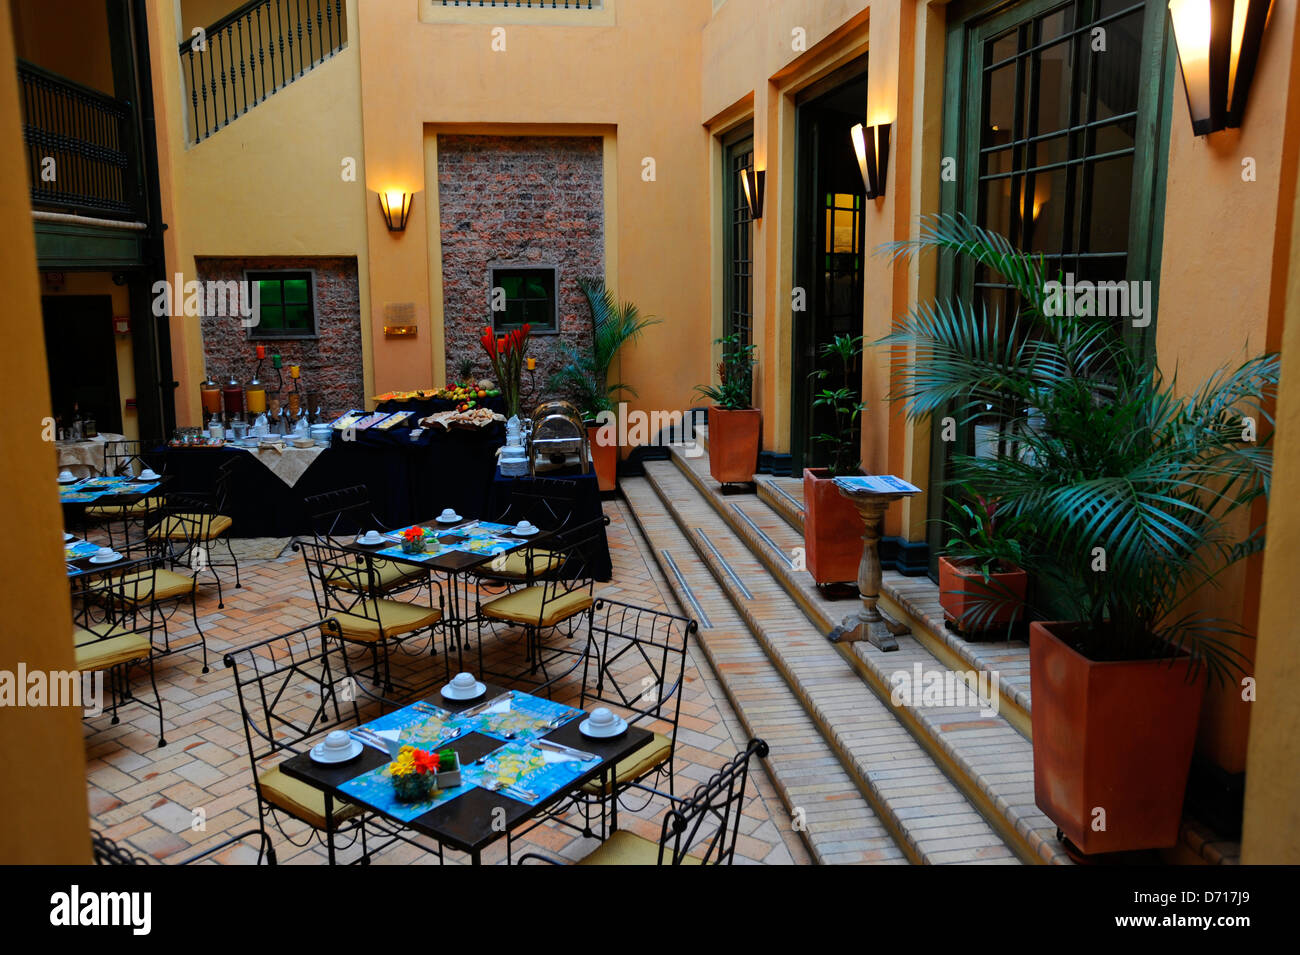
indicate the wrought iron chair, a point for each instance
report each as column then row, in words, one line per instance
column 106, row 851
column 128, row 459
column 192, row 523
column 706, row 821
column 346, row 588
column 347, row 511
column 547, row 503
column 555, row 601
column 289, row 689
column 113, row 624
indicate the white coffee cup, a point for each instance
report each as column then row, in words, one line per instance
column 464, row 682
column 337, row 743
column 148, row 474
column 67, row 476
column 602, row 719
column 524, row 526
column 105, row 552
column 448, row 515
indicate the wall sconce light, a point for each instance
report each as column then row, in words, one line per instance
column 1218, row 47
column 871, row 144
column 751, row 183
column 396, row 207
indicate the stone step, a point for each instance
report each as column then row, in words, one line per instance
column 986, row 756
column 906, row 786
column 838, row 824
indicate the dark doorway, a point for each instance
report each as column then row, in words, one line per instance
column 82, row 358
column 829, row 236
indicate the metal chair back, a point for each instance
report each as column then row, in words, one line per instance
column 710, row 816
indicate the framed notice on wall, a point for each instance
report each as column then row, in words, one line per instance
column 399, row 320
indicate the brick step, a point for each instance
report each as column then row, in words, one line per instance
column 907, row 788
column 984, row 756
column 840, row 826
column 916, row 601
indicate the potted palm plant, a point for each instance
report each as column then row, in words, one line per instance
column 832, row 526
column 584, row 376
column 982, row 588
column 735, row 428
column 1130, row 488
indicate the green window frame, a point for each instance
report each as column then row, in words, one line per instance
column 738, row 256
column 1008, row 45
column 287, row 303
column 529, row 298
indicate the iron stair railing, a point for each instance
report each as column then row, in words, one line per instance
column 252, row 53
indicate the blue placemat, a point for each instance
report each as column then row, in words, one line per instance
column 526, row 718
column 375, row 788
column 539, row 771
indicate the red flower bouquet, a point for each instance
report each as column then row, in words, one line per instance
column 506, row 353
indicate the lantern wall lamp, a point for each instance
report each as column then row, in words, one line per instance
column 396, row 207
column 751, row 183
column 871, row 145
column 1218, row 47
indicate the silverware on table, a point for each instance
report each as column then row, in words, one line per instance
column 577, row 754
column 371, row 738
column 487, row 704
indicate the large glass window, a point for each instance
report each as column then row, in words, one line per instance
column 286, row 306
column 524, row 296
column 738, row 265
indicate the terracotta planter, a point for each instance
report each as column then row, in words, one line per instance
column 832, row 530
column 605, row 459
column 1111, row 736
column 963, row 589
column 733, row 444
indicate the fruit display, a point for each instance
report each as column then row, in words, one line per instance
column 466, row 394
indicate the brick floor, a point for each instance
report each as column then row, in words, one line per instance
column 196, row 791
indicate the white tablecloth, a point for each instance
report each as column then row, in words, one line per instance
column 85, row 458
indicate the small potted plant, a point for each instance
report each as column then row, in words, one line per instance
column 414, row 774
column 735, row 428
column 832, row 526
column 981, row 586
column 584, row 376
column 413, row 540
column 448, row 769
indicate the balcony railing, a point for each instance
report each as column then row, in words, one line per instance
column 80, row 145
column 253, row 52
column 524, row 4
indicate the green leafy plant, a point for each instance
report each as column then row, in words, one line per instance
column 585, row 372
column 845, row 404
column 735, row 387
column 979, row 540
column 1129, row 490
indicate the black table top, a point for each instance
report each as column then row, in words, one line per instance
column 470, row 822
column 84, row 568
column 451, row 562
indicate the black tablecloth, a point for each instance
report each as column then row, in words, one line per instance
column 587, row 507
column 409, row 481
column 427, row 406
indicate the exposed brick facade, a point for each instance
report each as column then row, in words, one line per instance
column 332, row 373
column 518, row 200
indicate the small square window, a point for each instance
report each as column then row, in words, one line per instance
column 287, row 309
column 523, row 295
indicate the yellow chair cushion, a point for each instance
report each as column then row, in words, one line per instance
column 387, row 574
column 515, row 566
column 119, row 510
column 166, row 585
column 99, row 652
column 626, row 848
column 179, row 527
column 397, row 617
column 300, row 800
column 525, row 606
column 654, row 753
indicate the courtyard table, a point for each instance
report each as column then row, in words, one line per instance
column 472, row 820
column 105, row 492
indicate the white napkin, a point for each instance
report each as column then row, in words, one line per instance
column 394, row 740
column 502, row 707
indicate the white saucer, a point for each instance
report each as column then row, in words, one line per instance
column 106, row 559
column 68, row 537
column 454, row 519
column 71, row 480
column 450, row 693
column 372, row 542
column 528, row 533
column 619, row 728
column 318, row 753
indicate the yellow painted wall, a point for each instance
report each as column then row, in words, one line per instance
column 602, row 70
column 101, row 283
column 69, row 37
column 270, row 183
column 43, row 812
column 1227, row 248
column 1272, row 818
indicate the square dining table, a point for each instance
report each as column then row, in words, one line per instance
column 453, row 564
column 477, row 817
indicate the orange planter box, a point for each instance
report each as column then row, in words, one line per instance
column 832, row 530
column 605, row 459
column 733, row 444
column 962, row 591
column 1113, row 743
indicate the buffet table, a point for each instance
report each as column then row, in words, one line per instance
column 408, row 481
column 85, row 458
column 587, row 507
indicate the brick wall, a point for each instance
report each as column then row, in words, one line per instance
column 533, row 200
column 331, row 363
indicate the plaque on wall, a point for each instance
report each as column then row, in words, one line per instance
column 399, row 320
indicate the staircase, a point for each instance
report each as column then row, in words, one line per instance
column 865, row 780
column 253, row 52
